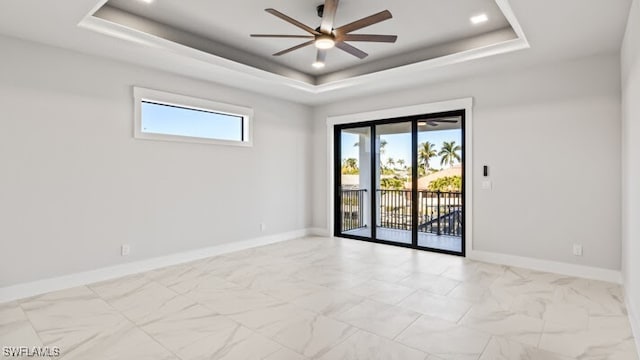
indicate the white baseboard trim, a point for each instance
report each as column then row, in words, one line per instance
column 588, row 272
column 633, row 319
column 319, row 232
column 21, row 291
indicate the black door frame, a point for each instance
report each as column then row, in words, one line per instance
column 337, row 162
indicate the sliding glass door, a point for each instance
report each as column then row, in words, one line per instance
column 439, row 187
column 394, row 210
column 355, row 182
column 400, row 181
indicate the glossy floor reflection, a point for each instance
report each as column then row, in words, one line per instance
column 329, row 299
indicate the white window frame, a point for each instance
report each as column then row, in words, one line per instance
column 164, row 98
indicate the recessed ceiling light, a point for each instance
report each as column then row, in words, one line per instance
column 147, row 1
column 325, row 42
column 479, row 19
column 422, row 123
column 318, row 64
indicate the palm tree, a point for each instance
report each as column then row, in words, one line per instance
column 391, row 163
column 350, row 166
column 449, row 153
column 383, row 143
column 426, row 151
column 351, row 163
column 403, row 169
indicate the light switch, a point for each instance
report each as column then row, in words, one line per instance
column 486, row 185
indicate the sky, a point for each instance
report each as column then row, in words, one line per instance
column 164, row 119
column 399, row 145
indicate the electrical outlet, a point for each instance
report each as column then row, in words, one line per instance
column 263, row 227
column 577, row 250
column 125, row 250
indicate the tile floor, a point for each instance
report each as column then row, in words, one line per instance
column 328, row 299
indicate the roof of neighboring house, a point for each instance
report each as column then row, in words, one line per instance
column 423, row 182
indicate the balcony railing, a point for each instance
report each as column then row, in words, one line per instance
column 439, row 212
column 395, row 209
column 352, row 209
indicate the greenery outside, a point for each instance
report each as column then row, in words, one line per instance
column 395, row 173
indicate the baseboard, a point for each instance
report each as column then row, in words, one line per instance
column 633, row 319
column 20, row 291
column 614, row 276
column 582, row 271
column 319, row 232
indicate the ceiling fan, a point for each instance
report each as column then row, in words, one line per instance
column 436, row 122
column 326, row 36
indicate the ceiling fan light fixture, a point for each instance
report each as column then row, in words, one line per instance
column 326, row 36
column 318, row 64
column 324, row 42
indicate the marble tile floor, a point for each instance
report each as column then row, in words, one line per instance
column 328, row 299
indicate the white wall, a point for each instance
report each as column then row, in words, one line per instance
column 551, row 136
column 75, row 185
column 631, row 165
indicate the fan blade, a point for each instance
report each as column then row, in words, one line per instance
column 322, row 55
column 352, row 50
column 372, row 38
column 364, row 22
column 283, row 36
column 292, row 21
column 328, row 16
column 436, row 122
column 451, row 121
column 294, row 48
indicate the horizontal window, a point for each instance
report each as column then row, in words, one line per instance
column 172, row 117
column 182, row 121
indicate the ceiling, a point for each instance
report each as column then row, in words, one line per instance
column 546, row 31
column 419, row 25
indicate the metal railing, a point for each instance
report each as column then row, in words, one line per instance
column 352, row 207
column 395, row 209
column 439, row 212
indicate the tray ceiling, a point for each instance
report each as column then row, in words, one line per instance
column 555, row 31
column 427, row 30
